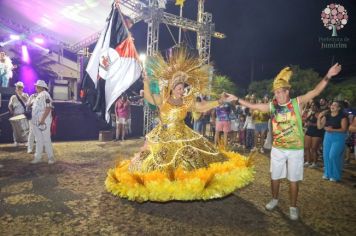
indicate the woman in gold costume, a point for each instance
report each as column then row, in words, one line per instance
column 177, row 163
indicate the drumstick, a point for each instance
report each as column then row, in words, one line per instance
column 4, row 114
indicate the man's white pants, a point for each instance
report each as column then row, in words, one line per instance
column 43, row 140
column 31, row 138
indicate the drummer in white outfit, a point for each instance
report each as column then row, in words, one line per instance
column 31, row 134
column 15, row 106
column 41, row 121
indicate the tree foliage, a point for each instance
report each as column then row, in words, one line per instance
column 222, row 83
column 303, row 80
column 261, row 88
column 344, row 90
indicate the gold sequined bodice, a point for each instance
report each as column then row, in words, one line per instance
column 172, row 144
column 171, row 114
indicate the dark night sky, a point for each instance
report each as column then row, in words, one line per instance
column 267, row 35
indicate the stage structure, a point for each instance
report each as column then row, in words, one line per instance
column 65, row 87
column 153, row 14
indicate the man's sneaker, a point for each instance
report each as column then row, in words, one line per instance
column 325, row 177
column 333, row 180
column 262, row 150
column 306, row 164
column 35, row 161
column 293, row 213
column 29, row 151
column 51, row 161
column 272, row 204
column 313, row 166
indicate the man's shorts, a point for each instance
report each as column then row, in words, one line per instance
column 287, row 163
column 223, row 126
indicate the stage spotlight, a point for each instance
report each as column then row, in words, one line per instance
column 38, row 40
column 25, row 55
column 142, row 57
column 15, row 37
column 46, row 50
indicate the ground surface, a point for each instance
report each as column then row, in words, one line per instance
column 69, row 198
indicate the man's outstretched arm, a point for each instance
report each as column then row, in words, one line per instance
column 334, row 70
column 264, row 107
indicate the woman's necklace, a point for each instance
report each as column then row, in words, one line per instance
column 175, row 101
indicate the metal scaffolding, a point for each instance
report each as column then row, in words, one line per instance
column 153, row 23
column 155, row 15
column 152, row 12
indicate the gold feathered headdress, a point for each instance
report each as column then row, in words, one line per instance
column 181, row 67
column 282, row 79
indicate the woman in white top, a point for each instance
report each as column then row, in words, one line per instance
column 250, row 130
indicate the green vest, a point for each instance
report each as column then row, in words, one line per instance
column 287, row 128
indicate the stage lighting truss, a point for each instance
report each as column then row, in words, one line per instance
column 152, row 12
column 27, row 32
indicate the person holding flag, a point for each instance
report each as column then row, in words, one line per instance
column 176, row 162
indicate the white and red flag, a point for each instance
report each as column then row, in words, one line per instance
column 114, row 59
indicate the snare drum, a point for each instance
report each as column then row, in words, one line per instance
column 20, row 127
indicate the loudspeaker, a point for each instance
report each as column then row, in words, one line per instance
column 60, row 92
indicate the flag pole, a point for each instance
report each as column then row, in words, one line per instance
column 180, row 28
column 142, row 66
column 127, row 30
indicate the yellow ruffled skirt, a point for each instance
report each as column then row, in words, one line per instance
column 215, row 181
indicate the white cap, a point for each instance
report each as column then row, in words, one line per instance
column 19, row 84
column 41, row 83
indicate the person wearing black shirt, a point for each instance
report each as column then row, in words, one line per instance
column 313, row 137
column 335, row 126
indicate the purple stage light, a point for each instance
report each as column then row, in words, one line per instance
column 15, row 37
column 38, row 40
column 28, row 76
column 25, row 55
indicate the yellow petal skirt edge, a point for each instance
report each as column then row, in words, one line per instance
column 216, row 181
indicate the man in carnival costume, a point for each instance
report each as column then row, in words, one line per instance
column 287, row 154
column 178, row 163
